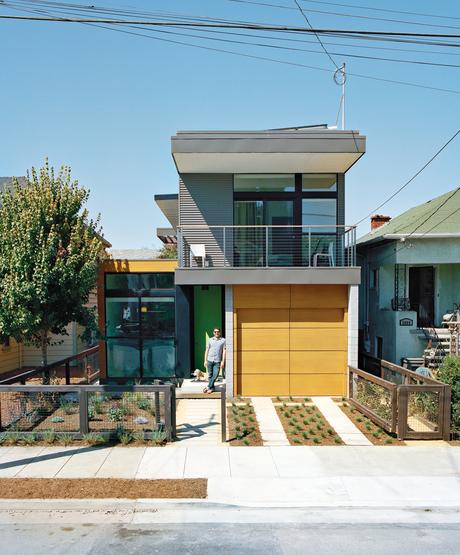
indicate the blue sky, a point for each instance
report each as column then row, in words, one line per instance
column 107, row 103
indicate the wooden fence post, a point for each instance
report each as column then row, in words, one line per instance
column 84, row 425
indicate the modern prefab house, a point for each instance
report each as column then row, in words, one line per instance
column 263, row 252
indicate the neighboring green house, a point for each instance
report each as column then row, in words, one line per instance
column 410, row 277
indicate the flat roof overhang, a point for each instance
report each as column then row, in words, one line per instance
column 169, row 205
column 293, row 151
column 268, row 276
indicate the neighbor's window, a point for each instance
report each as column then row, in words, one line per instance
column 321, row 182
column 264, row 183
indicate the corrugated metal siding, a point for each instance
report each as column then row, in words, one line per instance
column 206, row 199
column 10, row 357
column 341, row 199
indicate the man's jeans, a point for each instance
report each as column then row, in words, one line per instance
column 213, row 372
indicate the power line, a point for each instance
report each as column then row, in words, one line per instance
column 261, row 27
column 353, row 16
column 392, row 196
column 316, row 35
column 380, row 9
column 92, row 23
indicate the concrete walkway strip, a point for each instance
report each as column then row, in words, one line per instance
column 198, row 422
column 344, row 427
column 270, row 425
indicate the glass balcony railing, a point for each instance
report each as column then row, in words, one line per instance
column 266, row 246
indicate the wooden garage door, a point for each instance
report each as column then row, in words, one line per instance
column 290, row 340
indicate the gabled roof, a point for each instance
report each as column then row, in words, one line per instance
column 439, row 217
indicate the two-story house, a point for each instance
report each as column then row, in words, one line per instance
column 263, row 253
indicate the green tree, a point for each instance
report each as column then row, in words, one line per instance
column 449, row 372
column 49, row 255
column 168, row 251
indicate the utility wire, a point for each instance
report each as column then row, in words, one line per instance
column 261, row 27
column 353, row 16
column 252, row 56
column 380, row 9
column 392, row 196
column 316, row 35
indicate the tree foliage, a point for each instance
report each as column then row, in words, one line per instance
column 49, row 255
column 449, row 372
column 168, row 251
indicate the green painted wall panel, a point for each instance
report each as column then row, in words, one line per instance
column 207, row 314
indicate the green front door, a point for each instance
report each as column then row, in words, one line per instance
column 208, row 312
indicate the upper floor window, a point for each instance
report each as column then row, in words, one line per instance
column 264, row 183
column 319, row 182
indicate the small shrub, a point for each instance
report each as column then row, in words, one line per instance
column 49, row 436
column 143, row 403
column 316, row 440
column 29, row 439
column 246, row 442
column 368, row 427
column 294, row 432
column 159, row 437
column 298, row 428
column 337, row 440
column 11, row 438
column 278, row 398
column 307, row 399
column 237, row 428
column 138, row 436
column 305, row 435
column 115, row 413
column 291, row 398
column 94, row 438
column 57, row 419
column 251, row 419
column 305, row 422
column 91, row 412
column 66, row 439
column 312, row 431
column 388, row 441
column 359, row 419
column 125, row 438
column 330, row 431
column 68, row 406
column 323, row 435
column 376, row 434
column 296, row 440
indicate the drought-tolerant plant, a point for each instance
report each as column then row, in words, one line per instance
column 94, row 438
column 359, row 419
column 10, row 438
column 96, row 403
column 388, row 441
column 251, row 419
column 57, row 419
column 337, row 440
column 312, row 431
column 449, row 373
column 305, row 422
column 316, row 440
column 323, row 435
column 29, row 439
column 376, row 434
column 115, row 413
column 159, row 437
column 246, row 441
column 296, row 440
column 144, row 403
column 330, row 431
column 305, row 435
column 139, row 436
column 68, row 406
column 49, row 436
column 66, row 438
column 125, row 438
column 91, row 412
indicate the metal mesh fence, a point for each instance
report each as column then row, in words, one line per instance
column 127, row 411
column 372, row 396
column 423, row 411
column 392, row 376
column 39, row 411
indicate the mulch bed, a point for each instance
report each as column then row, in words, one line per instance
column 373, row 432
column 243, row 428
column 304, row 423
column 101, row 488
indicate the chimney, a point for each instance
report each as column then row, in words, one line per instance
column 378, row 220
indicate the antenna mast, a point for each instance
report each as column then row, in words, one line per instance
column 340, row 78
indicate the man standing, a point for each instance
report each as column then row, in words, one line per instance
column 214, row 358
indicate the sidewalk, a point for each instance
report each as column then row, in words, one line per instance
column 266, row 476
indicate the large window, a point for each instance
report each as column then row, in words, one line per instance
column 140, row 324
column 297, row 215
column 259, row 183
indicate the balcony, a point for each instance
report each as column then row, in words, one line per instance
column 265, row 248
